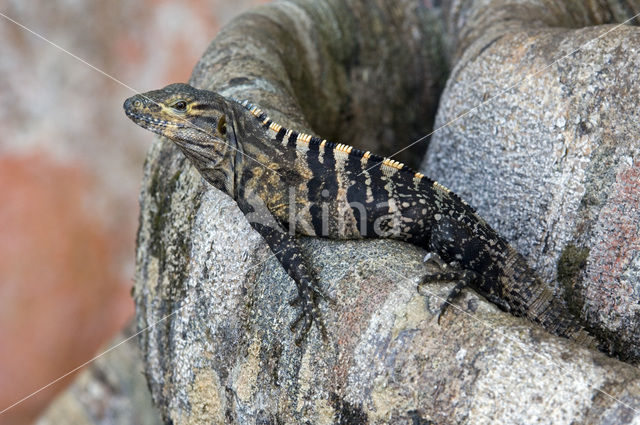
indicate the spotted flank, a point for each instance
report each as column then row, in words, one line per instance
column 290, row 184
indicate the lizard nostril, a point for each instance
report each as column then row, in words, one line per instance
column 137, row 103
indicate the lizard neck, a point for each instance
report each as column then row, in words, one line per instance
column 221, row 173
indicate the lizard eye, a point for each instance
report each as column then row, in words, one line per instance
column 222, row 125
column 180, row 105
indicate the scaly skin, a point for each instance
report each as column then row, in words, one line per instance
column 290, row 184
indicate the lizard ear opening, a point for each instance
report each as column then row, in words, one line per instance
column 222, row 125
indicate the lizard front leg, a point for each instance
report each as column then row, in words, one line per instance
column 288, row 252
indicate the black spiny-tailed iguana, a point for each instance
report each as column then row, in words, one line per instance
column 289, row 183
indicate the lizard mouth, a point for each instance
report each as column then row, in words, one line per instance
column 156, row 125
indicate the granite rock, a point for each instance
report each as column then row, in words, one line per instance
column 537, row 129
column 213, row 301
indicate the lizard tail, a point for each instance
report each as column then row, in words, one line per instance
column 554, row 315
column 530, row 297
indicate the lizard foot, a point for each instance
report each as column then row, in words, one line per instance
column 432, row 257
column 309, row 313
column 463, row 278
column 317, row 294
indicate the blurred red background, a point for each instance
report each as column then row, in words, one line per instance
column 70, row 169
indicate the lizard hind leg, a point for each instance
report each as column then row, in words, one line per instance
column 463, row 278
column 454, row 249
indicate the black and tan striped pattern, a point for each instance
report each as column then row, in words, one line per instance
column 282, row 134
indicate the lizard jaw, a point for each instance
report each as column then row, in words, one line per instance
column 153, row 124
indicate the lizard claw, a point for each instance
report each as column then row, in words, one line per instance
column 321, row 294
column 309, row 313
column 433, row 257
column 463, row 278
column 318, row 293
column 305, row 319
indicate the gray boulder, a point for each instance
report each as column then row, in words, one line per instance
column 213, row 301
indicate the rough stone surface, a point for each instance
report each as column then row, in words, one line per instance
column 111, row 391
column 219, row 350
column 549, row 151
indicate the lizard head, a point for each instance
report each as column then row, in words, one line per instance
column 195, row 120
